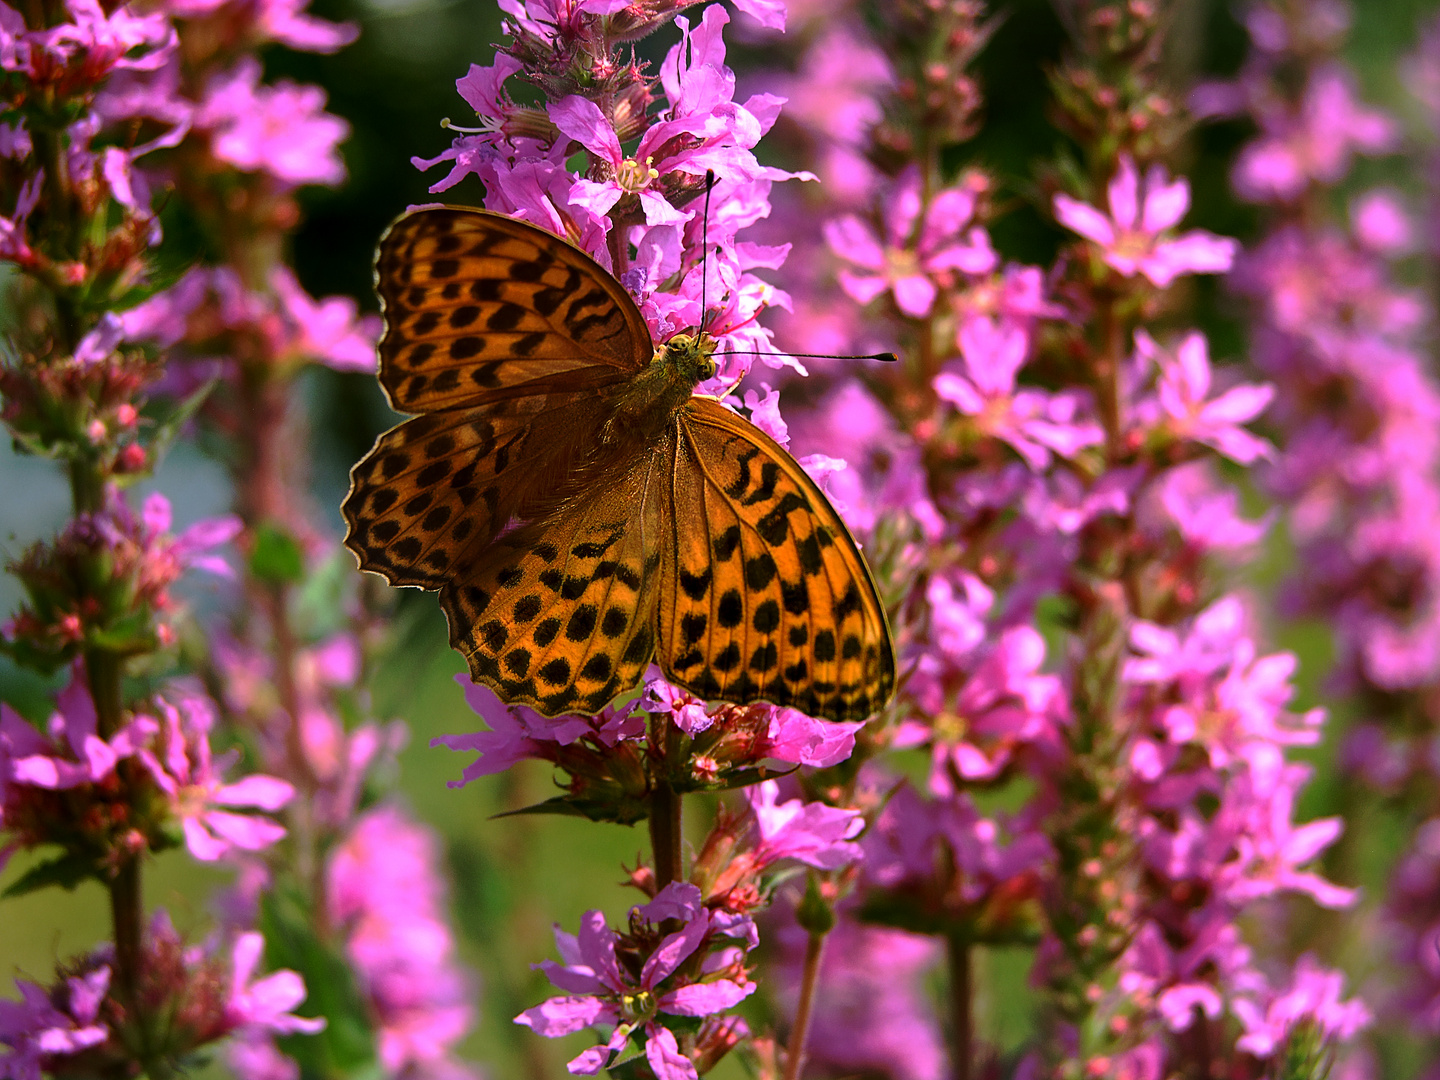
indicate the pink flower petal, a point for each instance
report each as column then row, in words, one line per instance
column 1085, row 220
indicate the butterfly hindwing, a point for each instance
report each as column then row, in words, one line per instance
column 431, row 488
column 559, row 615
column 477, row 304
column 764, row 595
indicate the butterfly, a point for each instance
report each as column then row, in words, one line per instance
column 578, row 508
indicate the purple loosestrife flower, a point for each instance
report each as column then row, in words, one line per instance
column 281, row 21
column 183, row 769
column 385, row 893
column 922, row 244
column 834, row 93
column 74, row 754
column 812, row 833
column 990, row 863
column 42, row 1028
column 1033, row 423
column 1002, row 710
column 79, row 54
column 517, row 732
column 1204, row 513
column 285, row 326
column 1313, row 145
column 281, row 130
column 605, row 992
column 1132, row 238
column 1313, row 997
column 1181, row 404
column 264, row 1005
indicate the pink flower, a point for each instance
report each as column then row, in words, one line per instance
column 1033, row 422
column 605, row 992
column 1314, row 144
column 329, row 331
column 922, row 244
column 1313, row 996
column 812, row 833
column 1131, row 240
column 280, row 129
column 263, row 1005
column 88, row 47
column 41, row 1026
column 1183, row 407
column 802, row 740
column 517, row 732
column 182, row 767
column 385, row 893
column 685, row 709
column 581, row 120
column 74, row 754
column 1004, row 708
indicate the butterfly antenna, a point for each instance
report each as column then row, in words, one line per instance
column 884, row 357
column 705, row 250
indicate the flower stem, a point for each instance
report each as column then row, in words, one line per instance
column 666, row 823
column 126, row 913
column 665, row 831
column 800, row 1032
column 962, row 992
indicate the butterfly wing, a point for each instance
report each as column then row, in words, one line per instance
column 480, row 307
column 715, row 552
column 559, row 615
column 507, row 338
column 763, row 592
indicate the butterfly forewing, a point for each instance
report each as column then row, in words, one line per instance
column 764, row 595
column 560, row 614
column 476, row 304
column 491, row 326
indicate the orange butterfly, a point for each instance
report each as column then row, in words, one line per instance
column 578, row 508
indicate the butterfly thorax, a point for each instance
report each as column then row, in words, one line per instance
column 648, row 401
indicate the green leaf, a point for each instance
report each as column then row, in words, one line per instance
column 729, row 781
column 621, row 811
column 276, row 557
column 635, row 1068
column 170, row 426
column 66, row 870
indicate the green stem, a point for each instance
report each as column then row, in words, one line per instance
column 127, row 915
column 666, row 823
column 87, row 486
column 800, row 1031
column 959, row 955
column 665, row 834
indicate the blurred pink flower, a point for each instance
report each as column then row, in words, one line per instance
column 182, row 767
column 1181, row 400
column 385, row 893
column 922, row 243
column 1132, row 238
column 265, row 1004
column 280, row 129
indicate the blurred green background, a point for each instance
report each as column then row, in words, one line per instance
column 513, row 877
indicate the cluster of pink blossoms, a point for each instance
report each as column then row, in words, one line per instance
column 106, row 107
column 1347, row 343
column 993, row 477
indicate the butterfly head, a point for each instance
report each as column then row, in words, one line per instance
column 690, row 356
